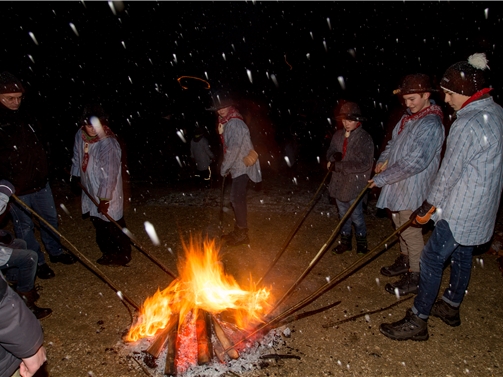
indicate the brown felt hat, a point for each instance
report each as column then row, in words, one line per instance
column 415, row 83
column 350, row 111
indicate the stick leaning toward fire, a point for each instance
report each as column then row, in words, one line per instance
column 327, row 244
column 90, row 265
column 131, row 236
column 328, row 286
column 295, row 228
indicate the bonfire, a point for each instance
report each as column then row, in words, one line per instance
column 203, row 301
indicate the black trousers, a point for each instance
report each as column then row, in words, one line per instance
column 110, row 239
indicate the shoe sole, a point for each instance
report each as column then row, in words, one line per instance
column 452, row 323
column 390, row 274
column 416, row 338
column 391, row 290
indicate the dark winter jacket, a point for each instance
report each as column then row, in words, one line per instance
column 24, row 159
column 20, row 332
column 351, row 175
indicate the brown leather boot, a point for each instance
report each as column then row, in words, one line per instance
column 29, row 298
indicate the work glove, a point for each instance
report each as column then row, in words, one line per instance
column 103, row 206
column 6, row 190
column 337, row 156
column 75, row 185
column 423, row 214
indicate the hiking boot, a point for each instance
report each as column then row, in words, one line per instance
column 410, row 327
column 238, row 237
column 361, row 245
column 401, row 266
column 409, row 283
column 45, row 272
column 29, row 299
column 344, row 245
column 447, row 313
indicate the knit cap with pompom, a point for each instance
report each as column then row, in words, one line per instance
column 466, row 77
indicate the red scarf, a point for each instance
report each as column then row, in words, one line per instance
column 91, row 140
column 432, row 109
column 233, row 113
column 345, row 144
column 476, row 96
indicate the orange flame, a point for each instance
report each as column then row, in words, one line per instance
column 202, row 285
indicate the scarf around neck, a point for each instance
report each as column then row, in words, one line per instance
column 233, row 113
column 432, row 109
column 107, row 132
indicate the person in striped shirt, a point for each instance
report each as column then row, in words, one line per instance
column 405, row 171
column 96, row 164
column 463, row 201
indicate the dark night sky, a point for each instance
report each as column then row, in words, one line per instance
column 297, row 54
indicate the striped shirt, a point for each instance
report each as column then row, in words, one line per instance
column 468, row 186
column 413, row 159
column 237, row 146
column 103, row 176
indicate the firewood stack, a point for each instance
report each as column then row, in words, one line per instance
column 193, row 341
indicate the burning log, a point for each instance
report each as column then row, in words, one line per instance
column 204, row 349
column 169, row 369
column 186, row 344
column 158, row 344
column 224, row 340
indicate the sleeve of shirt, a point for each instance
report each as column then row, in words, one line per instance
column 422, row 146
column 460, row 149
column 234, row 133
column 332, row 149
column 109, row 159
column 76, row 156
column 20, row 331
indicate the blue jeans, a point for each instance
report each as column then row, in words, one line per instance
column 42, row 203
column 356, row 217
column 21, row 266
column 238, row 200
column 439, row 249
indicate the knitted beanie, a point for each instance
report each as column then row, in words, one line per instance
column 466, row 77
column 415, row 83
column 10, row 83
column 350, row 111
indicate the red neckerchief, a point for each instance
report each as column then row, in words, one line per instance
column 345, row 144
column 476, row 96
column 91, row 140
column 233, row 113
column 432, row 109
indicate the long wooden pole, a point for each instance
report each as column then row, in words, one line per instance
column 131, row 237
column 295, row 228
column 326, row 287
column 326, row 245
column 90, row 265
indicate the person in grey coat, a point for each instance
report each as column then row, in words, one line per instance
column 413, row 158
column 21, row 336
column 351, row 155
column 201, row 153
column 463, row 201
column 241, row 162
